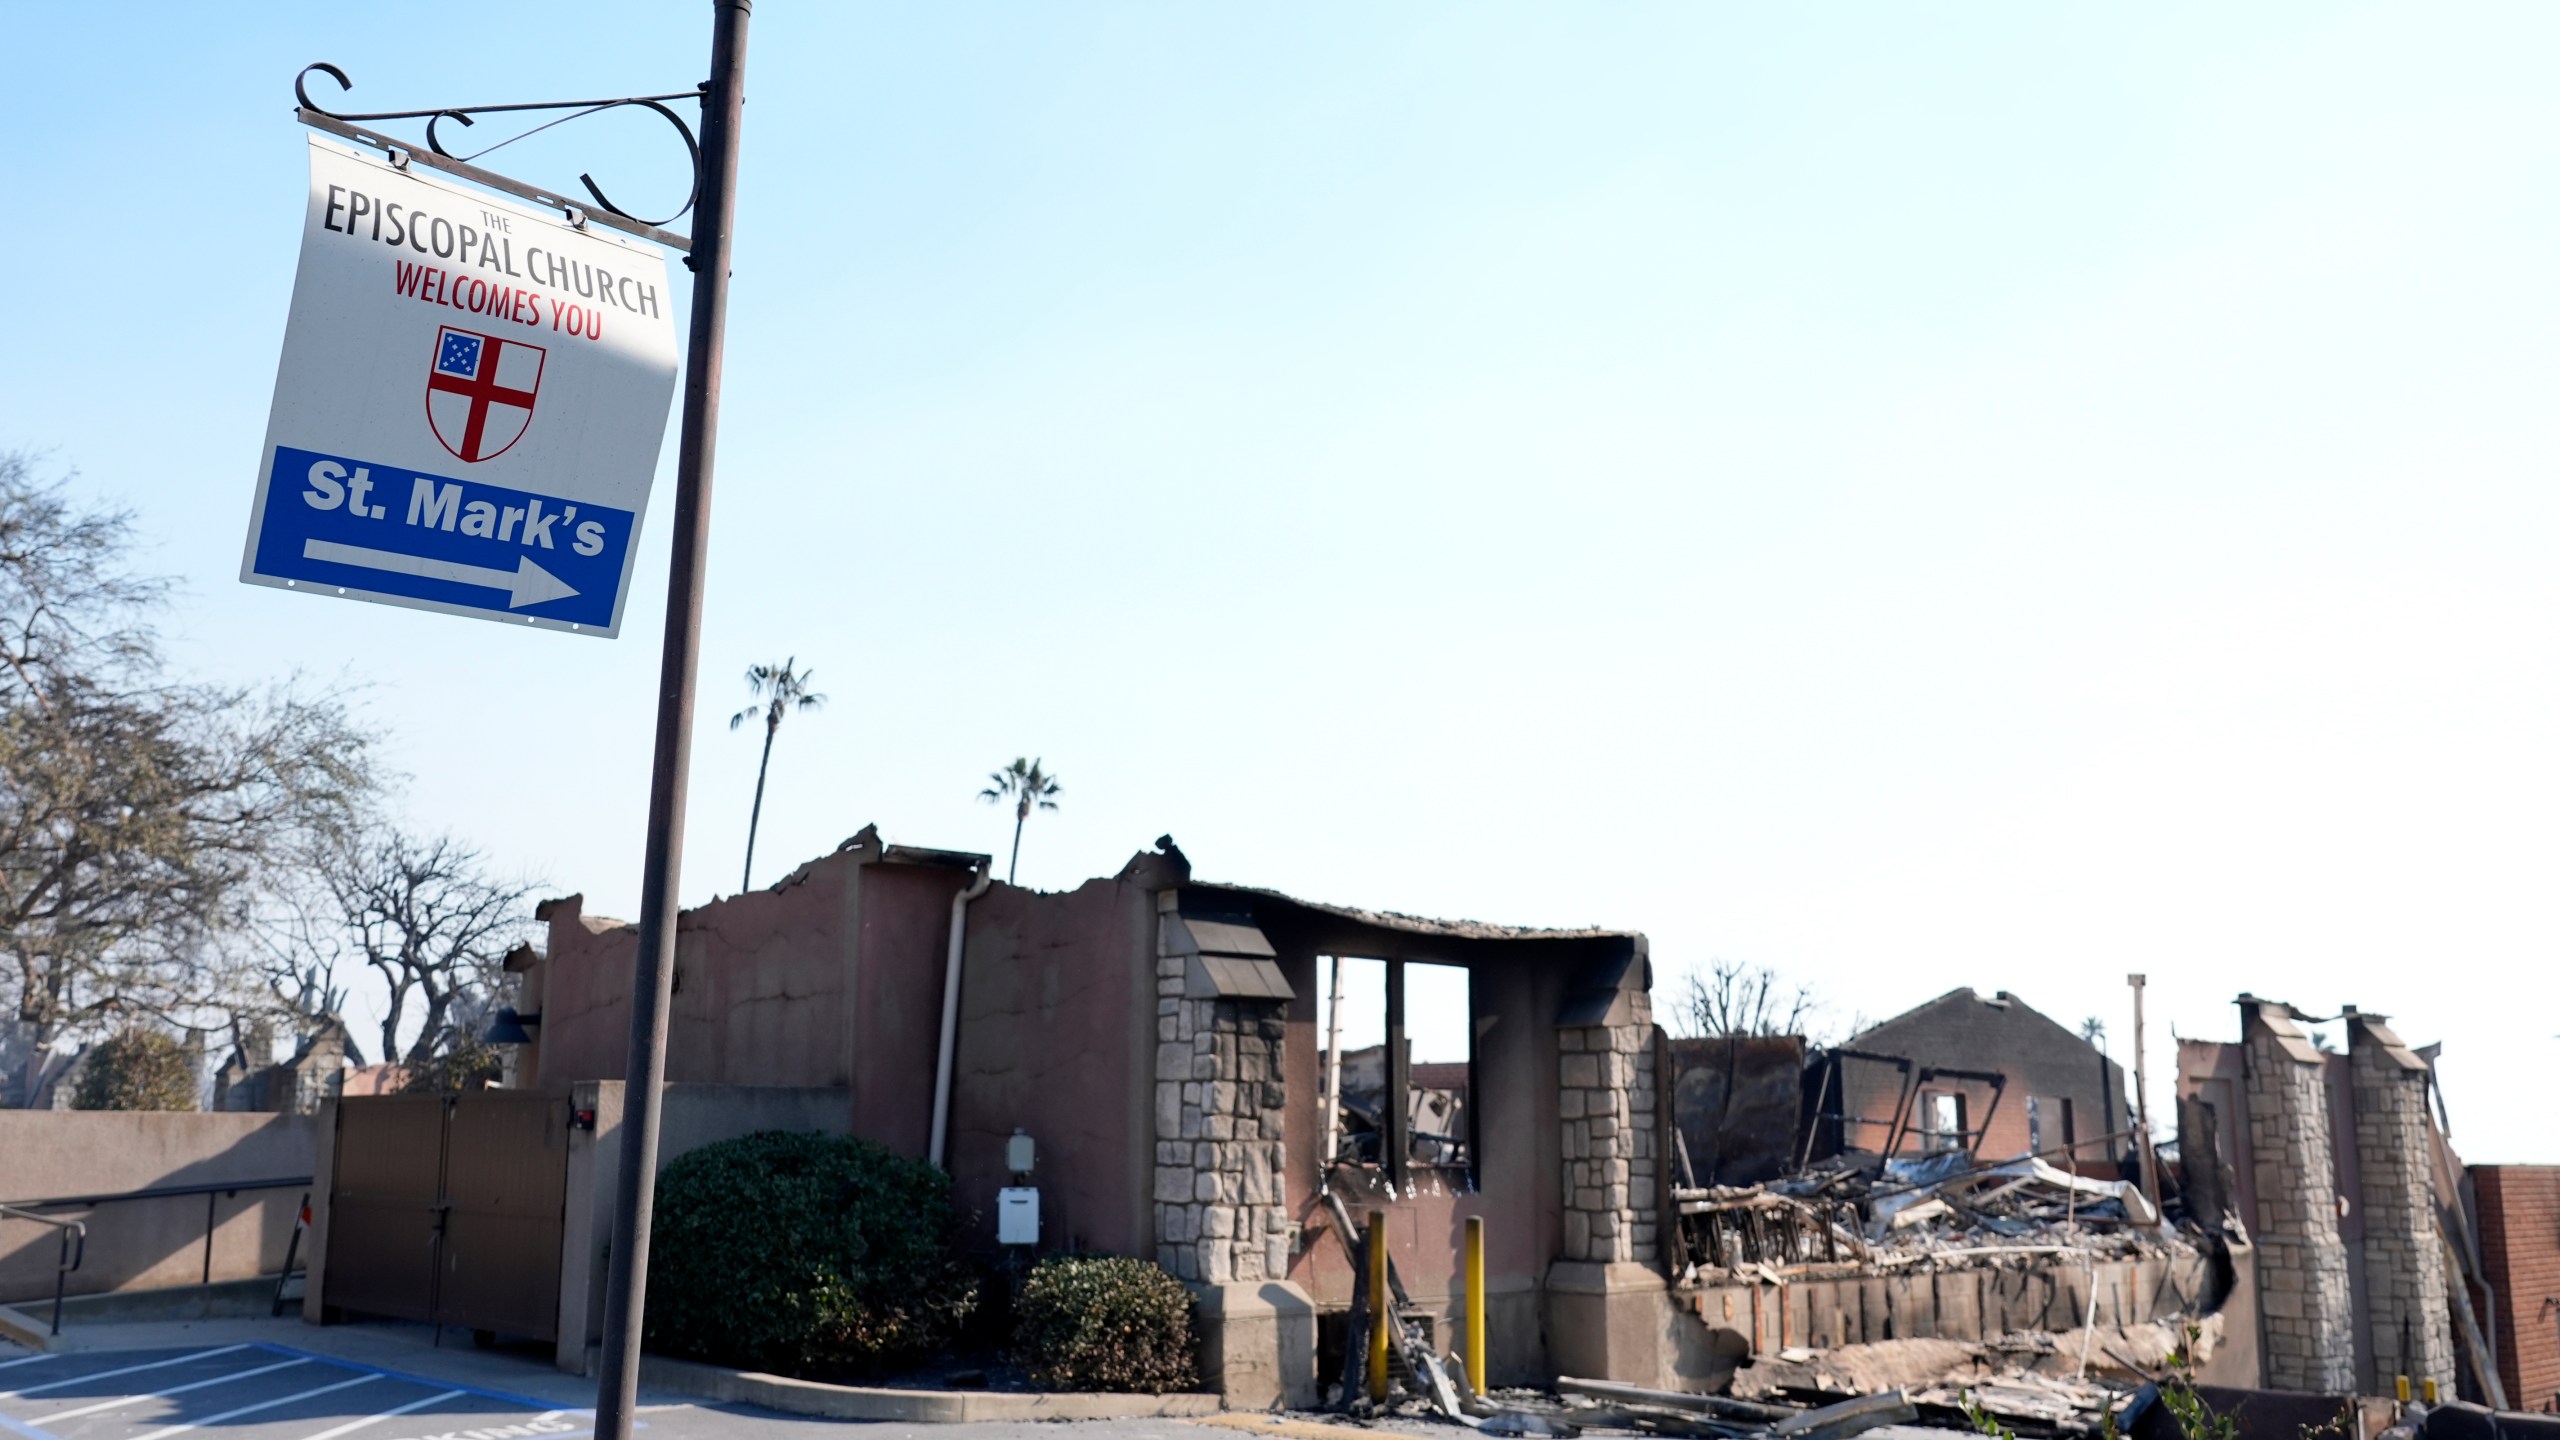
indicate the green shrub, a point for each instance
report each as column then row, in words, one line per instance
column 137, row 1069
column 468, row 1063
column 808, row 1254
column 1103, row 1323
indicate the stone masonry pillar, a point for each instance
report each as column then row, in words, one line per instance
column 1221, row 1219
column 1605, row 1096
column 2406, row 1303
column 1218, row 1156
column 1609, row 1313
column 2305, row 1316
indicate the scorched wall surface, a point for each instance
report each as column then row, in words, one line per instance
column 1057, row 1038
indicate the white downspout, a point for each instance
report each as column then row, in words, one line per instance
column 951, row 1012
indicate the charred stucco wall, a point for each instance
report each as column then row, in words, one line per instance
column 832, row 978
column 2520, row 1251
column 1739, row 1101
column 2407, row 1308
column 890, row 1036
column 1057, row 1038
column 2307, row 1322
column 759, row 992
column 2212, row 1072
column 1519, row 1155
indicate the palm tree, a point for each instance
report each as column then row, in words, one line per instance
column 1029, row 787
column 779, row 690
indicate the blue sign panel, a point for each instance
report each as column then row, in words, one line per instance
column 341, row 522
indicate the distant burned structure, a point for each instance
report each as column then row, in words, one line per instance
column 1993, row 1078
column 1438, row 1128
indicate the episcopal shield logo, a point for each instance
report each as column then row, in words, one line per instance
column 480, row 392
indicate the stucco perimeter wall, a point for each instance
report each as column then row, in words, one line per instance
column 759, row 988
column 144, row 1244
column 689, row 1117
column 1057, row 1038
column 893, row 1021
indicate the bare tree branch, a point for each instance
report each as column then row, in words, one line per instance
column 1736, row 999
column 137, row 815
column 428, row 917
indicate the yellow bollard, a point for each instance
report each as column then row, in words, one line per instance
column 2431, row 1391
column 1475, row 1305
column 2400, row 1383
column 1382, row 1305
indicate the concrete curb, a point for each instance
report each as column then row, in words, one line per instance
column 30, row 1322
column 31, row 1331
column 918, row 1407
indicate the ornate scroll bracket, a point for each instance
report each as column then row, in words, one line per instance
column 438, row 157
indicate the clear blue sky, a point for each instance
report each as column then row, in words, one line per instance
column 2003, row 497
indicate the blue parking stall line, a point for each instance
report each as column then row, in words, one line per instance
column 509, row 1396
column 30, row 1360
column 121, row 1401
column 279, row 1402
column 127, row 1370
column 25, row 1431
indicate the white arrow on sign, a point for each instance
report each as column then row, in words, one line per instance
column 527, row 584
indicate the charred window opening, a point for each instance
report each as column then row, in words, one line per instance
column 1401, row 1029
column 1942, row 1119
column 2050, row 1127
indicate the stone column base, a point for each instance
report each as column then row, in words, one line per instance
column 1613, row 1321
column 1258, row 1344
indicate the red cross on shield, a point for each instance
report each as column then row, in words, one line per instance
column 480, row 392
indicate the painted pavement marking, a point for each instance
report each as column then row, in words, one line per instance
column 120, row 1401
column 25, row 1432
column 470, row 1421
column 527, row 1401
column 547, row 1426
column 168, row 1430
column 353, row 1426
column 127, row 1370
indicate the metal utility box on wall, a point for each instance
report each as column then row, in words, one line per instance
column 1018, row 1215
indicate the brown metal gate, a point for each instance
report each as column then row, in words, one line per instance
column 448, row 1208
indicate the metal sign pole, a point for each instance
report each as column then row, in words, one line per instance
column 653, row 962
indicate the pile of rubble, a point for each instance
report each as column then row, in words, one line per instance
column 1940, row 1211
column 2023, row 1404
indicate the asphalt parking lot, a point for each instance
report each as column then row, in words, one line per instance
column 265, row 1390
column 256, row 1392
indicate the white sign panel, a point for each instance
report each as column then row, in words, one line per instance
column 469, row 407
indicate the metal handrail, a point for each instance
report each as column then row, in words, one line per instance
column 75, row 1248
column 75, row 1234
column 161, row 1192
